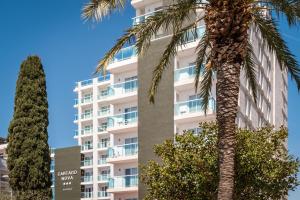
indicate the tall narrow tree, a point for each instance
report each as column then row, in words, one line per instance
column 225, row 47
column 28, row 150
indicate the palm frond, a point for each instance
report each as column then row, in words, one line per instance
column 95, row 10
column 206, row 84
column 290, row 8
column 201, row 53
column 250, row 72
column 179, row 38
column 144, row 32
column 275, row 43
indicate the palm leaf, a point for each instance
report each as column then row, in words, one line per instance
column 95, row 10
column 290, row 8
column 275, row 43
column 250, row 72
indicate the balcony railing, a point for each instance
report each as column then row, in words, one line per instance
column 106, row 77
column 123, row 181
column 86, row 162
column 76, row 102
column 87, row 99
column 192, row 35
column 119, row 89
column 102, row 161
column 103, row 194
column 123, row 119
column 76, row 117
column 102, row 128
column 52, row 167
column 142, row 18
column 193, row 106
column 123, row 150
column 125, row 54
column 86, row 195
column 86, row 116
column 86, row 179
column 103, row 177
column 86, row 82
column 86, row 147
column 86, row 131
column 103, row 112
column 76, row 132
column 102, row 145
column 185, row 73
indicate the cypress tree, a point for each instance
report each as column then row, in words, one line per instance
column 28, row 149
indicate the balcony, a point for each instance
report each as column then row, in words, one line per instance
column 123, row 122
column 102, row 128
column 123, row 184
column 86, row 195
column 86, row 116
column 103, row 145
column 86, row 163
column 142, row 18
column 76, row 133
column 124, row 60
column 104, row 78
column 120, row 92
column 189, row 111
column 75, row 117
column 85, row 83
column 87, row 100
column 102, row 194
column 103, row 113
column 190, row 44
column 87, row 179
column 103, row 177
column 86, row 147
column 102, row 161
column 86, row 132
column 123, row 153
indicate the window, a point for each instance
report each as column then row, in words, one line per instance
column 130, row 84
column 131, row 177
column 130, row 114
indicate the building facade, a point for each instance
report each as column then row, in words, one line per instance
column 117, row 126
column 4, row 180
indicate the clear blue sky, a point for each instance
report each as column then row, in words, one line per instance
column 70, row 50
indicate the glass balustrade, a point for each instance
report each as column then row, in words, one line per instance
column 106, row 77
column 193, row 35
column 86, row 179
column 86, row 195
column 86, row 147
column 186, row 73
column 102, row 128
column 123, row 150
column 103, row 177
column 123, row 119
column 86, row 116
column 86, row 82
column 102, row 161
column 76, row 132
column 103, row 194
column 86, row 162
column 142, row 18
column 76, row 102
column 87, row 100
column 102, row 145
column 193, row 106
column 76, row 117
column 119, row 89
column 103, row 112
column 125, row 54
column 123, row 181
column 86, row 131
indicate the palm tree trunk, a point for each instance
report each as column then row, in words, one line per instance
column 228, row 81
column 227, row 23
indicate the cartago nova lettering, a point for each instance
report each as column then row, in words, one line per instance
column 67, row 173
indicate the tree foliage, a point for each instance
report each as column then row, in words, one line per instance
column 28, row 150
column 189, row 166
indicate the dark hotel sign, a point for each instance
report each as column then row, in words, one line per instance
column 67, row 173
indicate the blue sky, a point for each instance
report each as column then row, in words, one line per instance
column 70, row 49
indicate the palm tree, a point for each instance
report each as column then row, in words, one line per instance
column 224, row 48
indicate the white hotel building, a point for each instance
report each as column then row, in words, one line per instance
column 116, row 123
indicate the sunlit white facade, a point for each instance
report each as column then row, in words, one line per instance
column 107, row 111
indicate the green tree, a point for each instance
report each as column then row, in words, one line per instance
column 188, row 171
column 28, row 150
column 224, row 48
